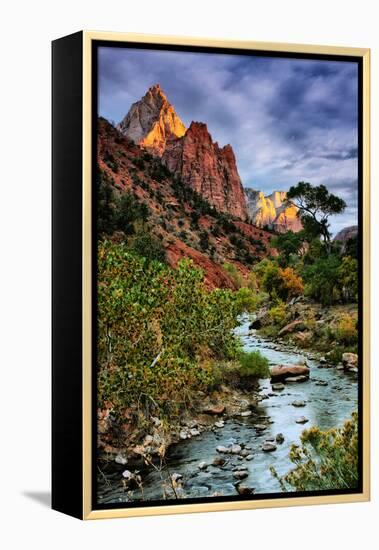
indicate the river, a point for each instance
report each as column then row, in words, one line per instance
column 326, row 405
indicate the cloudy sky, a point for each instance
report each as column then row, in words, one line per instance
column 288, row 120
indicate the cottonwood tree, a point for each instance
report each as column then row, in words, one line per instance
column 316, row 204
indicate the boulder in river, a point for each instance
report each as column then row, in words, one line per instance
column 279, row 438
column 260, row 427
column 203, row 465
column 278, row 386
column 222, row 449
column 302, row 420
column 295, row 379
column 244, row 453
column 121, row 459
column 268, row 447
column 235, row 449
column 350, row 361
column 249, row 457
column 298, row 403
column 218, row 461
column 240, row 474
column 321, row 383
column 280, row 373
column 219, row 424
column 244, row 490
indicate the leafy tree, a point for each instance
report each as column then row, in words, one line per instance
column 204, row 241
column 106, row 199
column 128, row 211
column 158, row 331
column 282, row 283
column 287, row 244
column 322, row 279
column 348, row 278
column 316, row 204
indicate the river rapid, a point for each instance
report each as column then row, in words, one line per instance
column 330, row 396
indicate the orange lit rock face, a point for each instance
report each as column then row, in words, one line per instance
column 272, row 211
column 152, row 121
column 208, row 169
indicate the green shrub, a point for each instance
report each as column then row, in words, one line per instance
column 346, row 331
column 253, row 364
column 204, row 241
column 248, row 300
column 325, row 460
column 234, row 274
column 147, row 245
column 278, row 313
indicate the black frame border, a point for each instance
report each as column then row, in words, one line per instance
column 97, row 43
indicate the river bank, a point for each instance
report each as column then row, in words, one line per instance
column 233, row 448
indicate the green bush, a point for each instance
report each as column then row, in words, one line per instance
column 158, row 331
column 278, row 313
column 147, row 245
column 346, row 331
column 248, row 300
column 325, row 460
column 253, row 364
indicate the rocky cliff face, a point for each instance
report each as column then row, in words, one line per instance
column 272, row 211
column 207, row 168
column 347, row 233
column 151, row 122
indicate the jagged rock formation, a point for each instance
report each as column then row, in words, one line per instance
column 151, row 122
column 210, row 241
column 347, row 233
column 208, row 169
column 272, row 211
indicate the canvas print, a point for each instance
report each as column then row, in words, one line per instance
column 226, row 206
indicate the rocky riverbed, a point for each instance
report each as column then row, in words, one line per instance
column 236, row 454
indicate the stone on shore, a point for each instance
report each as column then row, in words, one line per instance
column 350, row 361
column 215, row 409
column 291, row 327
column 121, row 459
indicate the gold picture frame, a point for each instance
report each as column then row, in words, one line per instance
column 85, row 509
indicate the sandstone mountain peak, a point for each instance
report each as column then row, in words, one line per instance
column 152, row 121
column 208, row 169
column 272, row 211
